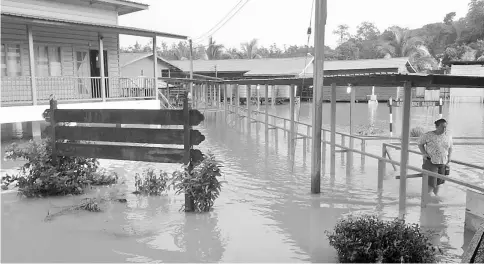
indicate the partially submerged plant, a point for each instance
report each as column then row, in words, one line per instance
column 151, row 184
column 202, row 184
column 40, row 177
column 369, row 130
column 371, row 240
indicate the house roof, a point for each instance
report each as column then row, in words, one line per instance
column 126, row 58
column 124, row 6
column 89, row 26
column 467, row 70
column 292, row 66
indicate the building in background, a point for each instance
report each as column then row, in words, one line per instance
column 468, row 95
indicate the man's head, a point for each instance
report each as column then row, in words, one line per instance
column 441, row 125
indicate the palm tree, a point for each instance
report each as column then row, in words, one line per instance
column 249, row 50
column 398, row 42
column 214, row 51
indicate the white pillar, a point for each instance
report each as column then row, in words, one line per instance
column 155, row 68
column 101, row 62
column 36, row 133
column 333, row 129
column 33, row 83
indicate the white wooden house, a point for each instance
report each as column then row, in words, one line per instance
column 52, row 47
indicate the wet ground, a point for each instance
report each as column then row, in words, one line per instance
column 264, row 214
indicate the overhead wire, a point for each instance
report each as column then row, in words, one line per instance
column 226, row 15
column 225, row 22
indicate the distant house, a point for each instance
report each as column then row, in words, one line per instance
column 300, row 67
column 467, row 94
column 141, row 64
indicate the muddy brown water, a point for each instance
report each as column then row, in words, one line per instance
column 264, row 214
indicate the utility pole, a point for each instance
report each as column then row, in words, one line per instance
column 191, row 68
column 319, row 30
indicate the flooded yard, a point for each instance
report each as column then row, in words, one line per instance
column 265, row 212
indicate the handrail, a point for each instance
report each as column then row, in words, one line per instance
column 170, row 106
column 452, row 160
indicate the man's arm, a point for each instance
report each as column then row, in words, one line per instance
column 421, row 146
column 450, row 151
column 423, row 151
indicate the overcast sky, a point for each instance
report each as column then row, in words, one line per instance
column 280, row 21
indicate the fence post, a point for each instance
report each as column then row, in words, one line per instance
column 189, row 205
column 333, row 129
column 249, row 107
column 407, row 105
column 53, row 124
column 363, row 149
column 266, row 104
column 323, row 152
column 292, row 135
column 425, row 190
column 382, row 166
column 226, row 105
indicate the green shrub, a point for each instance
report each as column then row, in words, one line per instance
column 151, row 184
column 417, row 132
column 369, row 130
column 38, row 177
column 202, row 184
column 370, row 240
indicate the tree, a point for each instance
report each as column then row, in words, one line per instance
column 399, row 42
column 367, row 31
column 342, row 32
column 348, row 50
column 475, row 20
column 214, row 51
column 249, row 50
column 449, row 18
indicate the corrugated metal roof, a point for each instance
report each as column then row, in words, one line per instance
column 467, row 70
column 288, row 66
column 95, row 26
column 126, row 58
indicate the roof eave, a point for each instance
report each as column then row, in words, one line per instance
column 125, row 7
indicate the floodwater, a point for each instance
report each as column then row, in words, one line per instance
column 265, row 212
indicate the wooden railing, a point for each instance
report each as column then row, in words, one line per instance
column 18, row 90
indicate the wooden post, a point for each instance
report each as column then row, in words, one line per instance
column 382, row 166
column 333, row 129
column 237, row 105
column 349, row 156
column 190, row 44
column 323, row 153
column 226, row 100
column 266, row 104
column 53, row 124
column 249, row 107
column 155, row 69
column 291, row 124
column 207, row 90
column 219, row 98
column 33, row 82
column 101, row 62
column 425, row 190
column 407, row 105
column 189, row 206
column 273, row 95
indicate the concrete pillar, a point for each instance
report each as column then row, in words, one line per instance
column 36, row 132
column 17, row 130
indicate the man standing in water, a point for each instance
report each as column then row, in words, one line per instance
column 436, row 148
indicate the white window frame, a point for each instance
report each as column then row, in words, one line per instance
column 9, row 43
column 49, row 46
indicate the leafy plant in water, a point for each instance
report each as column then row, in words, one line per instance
column 370, row 240
column 371, row 129
column 202, row 184
column 151, row 184
column 39, row 177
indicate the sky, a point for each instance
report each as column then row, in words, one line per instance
column 283, row 22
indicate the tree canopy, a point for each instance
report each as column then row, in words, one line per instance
column 449, row 40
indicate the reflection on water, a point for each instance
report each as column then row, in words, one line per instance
column 264, row 214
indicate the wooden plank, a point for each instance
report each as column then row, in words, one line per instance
column 133, row 135
column 471, row 250
column 128, row 116
column 133, row 153
column 417, row 175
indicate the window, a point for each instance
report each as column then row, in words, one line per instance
column 48, row 61
column 11, row 60
column 82, row 70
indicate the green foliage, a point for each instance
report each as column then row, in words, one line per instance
column 370, row 240
column 39, row 177
column 202, row 184
column 151, row 184
column 369, row 130
column 417, row 132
